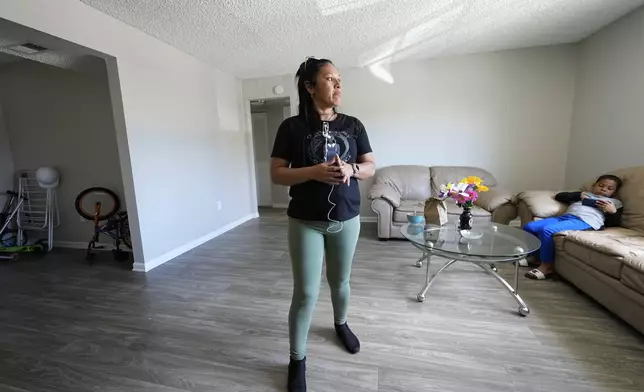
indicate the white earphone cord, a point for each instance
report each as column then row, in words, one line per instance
column 334, row 223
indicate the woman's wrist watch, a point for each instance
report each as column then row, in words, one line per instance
column 356, row 169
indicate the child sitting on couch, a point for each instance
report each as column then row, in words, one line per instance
column 592, row 210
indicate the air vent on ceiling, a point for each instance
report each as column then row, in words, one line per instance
column 27, row 48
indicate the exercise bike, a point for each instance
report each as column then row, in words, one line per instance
column 113, row 223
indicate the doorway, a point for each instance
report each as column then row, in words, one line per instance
column 266, row 117
column 47, row 160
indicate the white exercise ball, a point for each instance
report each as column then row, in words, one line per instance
column 47, row 177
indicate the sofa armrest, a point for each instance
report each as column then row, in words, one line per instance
column 385, row 211
column 495, row 198
column 542, row 204
column 384, row 191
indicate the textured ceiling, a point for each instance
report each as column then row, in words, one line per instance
column 58, row 53
column 252, row 38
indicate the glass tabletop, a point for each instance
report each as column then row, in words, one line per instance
column 494, row 240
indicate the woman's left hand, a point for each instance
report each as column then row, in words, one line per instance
column 606, row 206
column 346, row 170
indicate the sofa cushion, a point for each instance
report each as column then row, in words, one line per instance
column 633, row 271
column 542, row 204
column 609, row 264
column 632, row 195
column 409, row 182
column 633, row 278
column 407, row 206
column 610, row 292
column 495, row 198
column 637, row 262
column 604, row 250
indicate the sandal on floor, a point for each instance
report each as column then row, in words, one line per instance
column 535, row 274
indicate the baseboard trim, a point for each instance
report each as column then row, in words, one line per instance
column 164, row 258
column 283, row 206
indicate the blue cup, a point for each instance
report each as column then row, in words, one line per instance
column 416, row 218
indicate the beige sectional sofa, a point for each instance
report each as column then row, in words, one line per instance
column 608, row 265
column 399, row 190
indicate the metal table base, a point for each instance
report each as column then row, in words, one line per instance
column 486, row 264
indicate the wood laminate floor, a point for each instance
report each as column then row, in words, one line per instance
column 214, row 319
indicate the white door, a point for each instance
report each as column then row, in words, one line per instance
column 262, row 145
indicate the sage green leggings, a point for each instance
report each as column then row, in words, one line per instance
column 308, row 243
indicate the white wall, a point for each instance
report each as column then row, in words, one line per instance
column 62, row 118
column 6, row 160
column 177, row 129
column 608, row 122
column 508, row 112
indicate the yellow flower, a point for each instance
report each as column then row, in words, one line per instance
column 482, row 188
column 472, row 180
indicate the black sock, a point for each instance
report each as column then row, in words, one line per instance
column 348, row 339
column 297, row 375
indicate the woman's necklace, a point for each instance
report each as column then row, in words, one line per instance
column 329, row 117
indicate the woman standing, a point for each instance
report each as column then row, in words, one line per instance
column 320, row 154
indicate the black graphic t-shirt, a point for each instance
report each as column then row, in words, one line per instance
column 303, row 144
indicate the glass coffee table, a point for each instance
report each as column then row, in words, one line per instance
column 496, row 243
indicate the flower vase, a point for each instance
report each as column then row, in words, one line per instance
column 465, row 220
